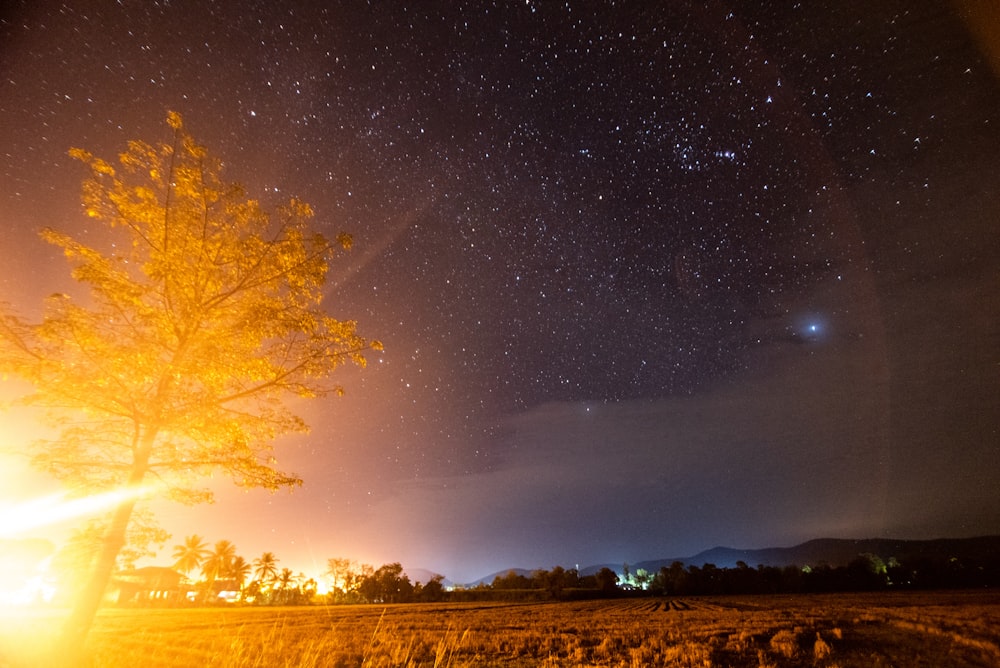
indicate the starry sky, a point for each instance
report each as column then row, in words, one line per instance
column 651, row 277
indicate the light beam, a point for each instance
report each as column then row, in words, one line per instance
column 43, row 511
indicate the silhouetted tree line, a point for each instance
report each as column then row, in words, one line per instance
column 225, row 580
column 867, row 572
column 389, row 584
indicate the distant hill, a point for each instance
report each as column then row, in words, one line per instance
column 840, row 552
column 833, row 552
column 488, row 579
column 423, row 576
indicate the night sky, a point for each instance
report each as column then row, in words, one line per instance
column 650, row 279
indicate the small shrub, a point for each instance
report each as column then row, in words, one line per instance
column 785, row 643
column 821, row 649
column 763, row 661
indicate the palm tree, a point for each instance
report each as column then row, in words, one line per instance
column 219, row 561
column 308, row 587
column 253, row 593
column 239, row 569
column 285, row 579
column 266, row 567
column 191, row 554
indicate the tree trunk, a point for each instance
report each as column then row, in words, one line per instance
column 89, row 600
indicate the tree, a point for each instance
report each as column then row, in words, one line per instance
column 388, row 584
column 338, row 569
column 74, row 562
column 142, row 534
column 307, row 588
column 204, row 315
column 554, row 581
column 341, row 572
column 642, row 578
column 607, row 580
column 190, row 554
column 512, row 580
column 345, row 577
column 285, row 580
column 265, row 567
column 239, row 570
column 431, row 591
column 218, row 565
column 252, row 592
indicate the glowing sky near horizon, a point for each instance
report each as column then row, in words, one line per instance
column 649, row 279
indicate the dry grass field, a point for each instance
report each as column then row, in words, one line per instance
column 900, row 629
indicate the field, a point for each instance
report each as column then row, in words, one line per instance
column 872, row 630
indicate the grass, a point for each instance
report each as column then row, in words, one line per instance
column 838, row 630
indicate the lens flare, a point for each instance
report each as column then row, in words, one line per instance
column 47, row 510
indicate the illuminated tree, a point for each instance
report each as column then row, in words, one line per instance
column 75, row 559
column 191, row 554
column 219, row 562
column 308, row 587
column 339, row 571
column 204, row 316
column 642, row 578
column 252, row 592
column 239, row 571
column 284, row 581
column 265, row 568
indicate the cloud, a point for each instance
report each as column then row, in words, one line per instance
column 776, row 458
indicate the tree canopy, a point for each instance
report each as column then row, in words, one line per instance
column 198, row 325
column 204, row 315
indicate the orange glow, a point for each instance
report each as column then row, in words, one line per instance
column 28, row 515
column 30, row 587
column 26, row 581
column 322, row 585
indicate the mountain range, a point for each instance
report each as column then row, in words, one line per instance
column 833, row 552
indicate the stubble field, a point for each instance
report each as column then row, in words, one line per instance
column 871, row 630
